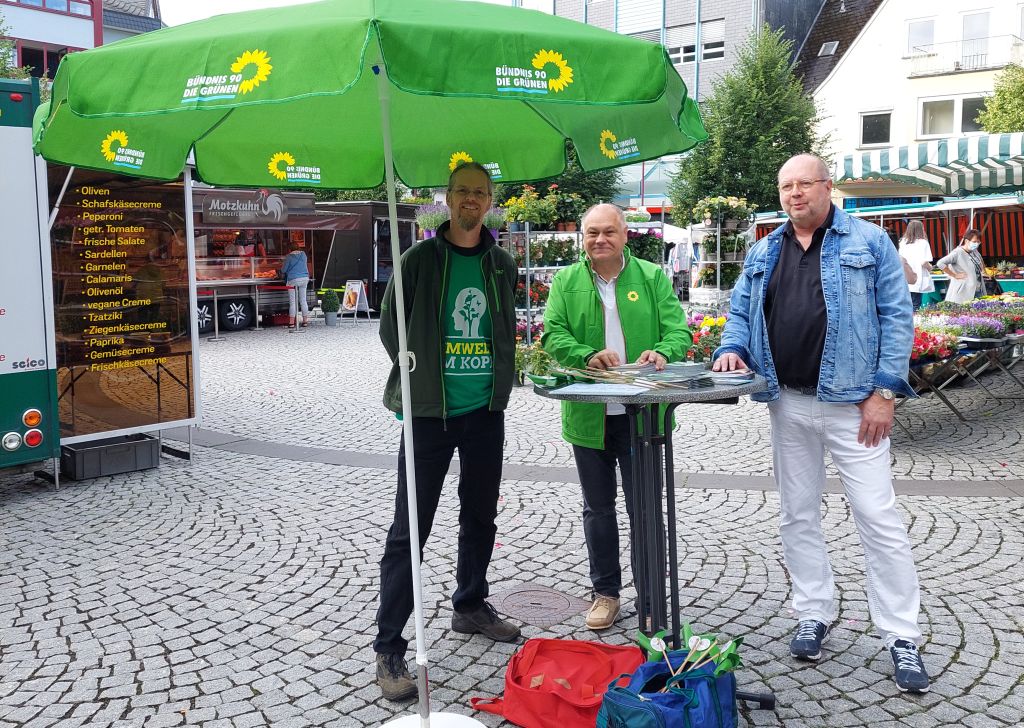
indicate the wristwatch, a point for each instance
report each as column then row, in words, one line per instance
column 885, row 393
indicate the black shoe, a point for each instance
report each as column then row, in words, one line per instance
column 910, row 673
column 806, row 643
column 484, row 620
column 394, row 679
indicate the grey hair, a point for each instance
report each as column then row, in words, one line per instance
column 618, row 213
column 472, row 165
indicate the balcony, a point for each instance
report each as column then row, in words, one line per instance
column 962, row 56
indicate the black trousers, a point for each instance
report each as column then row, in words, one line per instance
column 596, row 469
column 479, row 437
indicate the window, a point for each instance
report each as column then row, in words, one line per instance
column 681, row 41
column 637, row 16
column 828, row 49
column 42, row 60
column 969, row 110
column 950, row 116
column 920, row 36
column 974, row 53
column 874, row 128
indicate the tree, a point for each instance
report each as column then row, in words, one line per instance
column 375, row 194
column 757, row 117
column 1004, row 109
column 7, row 55
column 593, row 187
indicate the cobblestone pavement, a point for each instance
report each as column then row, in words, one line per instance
column 240, row 590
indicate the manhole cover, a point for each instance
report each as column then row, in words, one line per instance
column 540, row 606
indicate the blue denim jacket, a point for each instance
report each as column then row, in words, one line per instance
column 870, row 319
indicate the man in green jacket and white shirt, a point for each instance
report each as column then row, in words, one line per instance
column 607, row 310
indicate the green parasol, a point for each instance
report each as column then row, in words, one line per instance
column 350, row 93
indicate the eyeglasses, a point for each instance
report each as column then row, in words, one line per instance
column 466, row 192
column 804, row 185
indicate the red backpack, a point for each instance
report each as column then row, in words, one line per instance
column 559, row 683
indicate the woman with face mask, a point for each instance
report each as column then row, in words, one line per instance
column 965, row 268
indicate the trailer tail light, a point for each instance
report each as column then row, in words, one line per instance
column 32, row 418
column 11, row 441
column 33, row 438
column 16, row 97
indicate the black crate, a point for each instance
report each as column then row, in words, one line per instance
column 110, row 456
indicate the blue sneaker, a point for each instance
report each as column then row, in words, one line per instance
column 806, row 643
column 910, row 673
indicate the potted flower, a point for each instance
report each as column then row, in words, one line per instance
column 494, row 218
column 430, row 217
column 568, row 209
column 646, row 245
column 977, row 330
column 330, row 305
column 730, row 213
column 637, row 215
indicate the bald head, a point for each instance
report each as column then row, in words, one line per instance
column 808, row 162
column 603, row 209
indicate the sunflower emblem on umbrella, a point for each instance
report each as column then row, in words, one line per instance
column 256, row 58
column 107, row 146
column 606, row 137
column 457, row 159
column 274, row 166
column 564, row 77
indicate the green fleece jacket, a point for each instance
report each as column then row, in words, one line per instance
column 425, row 280
column 651, row 318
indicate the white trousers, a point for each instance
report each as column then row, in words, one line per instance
column 802, row 429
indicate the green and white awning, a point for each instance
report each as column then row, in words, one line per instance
column 984, row 163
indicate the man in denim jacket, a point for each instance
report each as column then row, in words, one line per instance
column 823, row 312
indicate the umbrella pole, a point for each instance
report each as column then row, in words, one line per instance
column 441, row 720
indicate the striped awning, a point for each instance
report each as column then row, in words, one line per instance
column 958, row 165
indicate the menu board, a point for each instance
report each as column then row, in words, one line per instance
column 124, row 323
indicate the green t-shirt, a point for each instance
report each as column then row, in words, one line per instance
column 468, row 360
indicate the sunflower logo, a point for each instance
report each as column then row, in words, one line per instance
column 633, row 296
column 607, row 136
column 457, row 159
column 274, row 166
column 554, row 58
column 108, row 148
column 256, row 58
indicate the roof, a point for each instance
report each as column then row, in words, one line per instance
column 131, row 23
column 139, row 8
column 839, row 21
column 965, row 164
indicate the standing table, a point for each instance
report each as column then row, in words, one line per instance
column 652, row 472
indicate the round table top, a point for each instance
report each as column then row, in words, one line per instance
column 667, row 395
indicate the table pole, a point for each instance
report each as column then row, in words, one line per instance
column 670, row 502
column 638, row 536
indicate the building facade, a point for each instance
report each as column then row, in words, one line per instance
column 44, row 31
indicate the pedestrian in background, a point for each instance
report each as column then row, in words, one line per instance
column 965, row 268
column 606, row 310
column 917, row 252
column 822, row 311
column 461, row 384
column 295, row 272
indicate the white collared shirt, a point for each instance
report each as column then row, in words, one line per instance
column 613, row 336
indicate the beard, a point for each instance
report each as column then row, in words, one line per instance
column 467, row 222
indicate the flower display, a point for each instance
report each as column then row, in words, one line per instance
column 646, row 245
column 730, row 208
column 432, row 216
column 931, row 345
column 707, row 334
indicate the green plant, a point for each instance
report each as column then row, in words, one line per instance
column 1004, row 109
column 432, row 216
column 646, row 245
column 570, row 207
column 494, row 218
column 730, row 274
column 330, row 303
column 531, row 207
column 532, row 359
column 725, row 279
column 638, row 215
column 728, row 208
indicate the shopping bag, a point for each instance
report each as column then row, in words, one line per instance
column 692, row 699
column 559, row 683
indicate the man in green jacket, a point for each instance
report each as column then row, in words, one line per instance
column 608, row 310
column 460, row 321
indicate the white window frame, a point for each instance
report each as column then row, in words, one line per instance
column 680, row 42
column 875, row 145
column 908, row 51
column 958, row 105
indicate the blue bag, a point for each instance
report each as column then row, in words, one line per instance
column 694, row 699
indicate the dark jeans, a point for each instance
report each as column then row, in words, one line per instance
column 596, row 469
column 479, row 437
column 915, row 298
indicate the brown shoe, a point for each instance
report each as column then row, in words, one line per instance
column 396, row 684
column 602, row 612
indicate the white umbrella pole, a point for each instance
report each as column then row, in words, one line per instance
column 443, row 720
